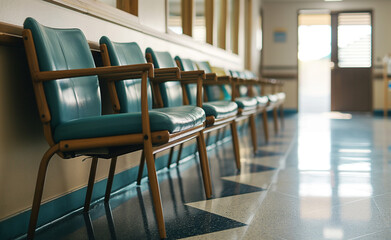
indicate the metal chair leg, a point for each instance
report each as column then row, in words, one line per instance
column 141, row 167
column 179, row 153
column 39, row 190
column 110, row 178
column 170, row 157
column 91, row 182
column 235, row 143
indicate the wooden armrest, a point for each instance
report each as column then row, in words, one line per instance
column 116, row 72
column 193, row 74
column 248, row 82
column 224, row 78
column 167, row 74
column 211, row 76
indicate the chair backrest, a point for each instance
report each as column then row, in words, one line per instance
column 243, row 89
column 250, row 75
column 128, row 91
column 213, row 93
column 191, row 89
column 171, row 92
column 64, row 49
column 256, row 88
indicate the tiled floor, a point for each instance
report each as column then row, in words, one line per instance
column 325, row 176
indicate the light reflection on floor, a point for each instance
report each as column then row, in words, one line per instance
column 320, row 178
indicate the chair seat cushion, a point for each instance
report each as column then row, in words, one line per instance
column 220, row 109
column 246, row 103
column 273, row 98
column 281, row 96
column 262, row 100
column 172, row 119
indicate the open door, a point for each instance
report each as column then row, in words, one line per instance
column 351, row 56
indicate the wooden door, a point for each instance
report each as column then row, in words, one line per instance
column 351, row 56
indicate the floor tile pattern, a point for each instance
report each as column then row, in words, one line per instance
column 321, row 177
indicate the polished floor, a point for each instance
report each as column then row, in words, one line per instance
column 325, row 176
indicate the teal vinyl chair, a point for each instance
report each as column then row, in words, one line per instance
column 219, row 113
column 124, row 94
column 65, row 82
column 252, row 89
column 275, row 100
column 247, row 106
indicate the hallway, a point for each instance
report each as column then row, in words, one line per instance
column 324, row 177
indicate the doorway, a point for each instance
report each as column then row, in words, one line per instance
column 314, row 58
column 351, row 74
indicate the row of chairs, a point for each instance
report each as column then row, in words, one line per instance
column 66, row 85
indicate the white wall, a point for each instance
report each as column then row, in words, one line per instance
column 284, row 15
column 22, row 143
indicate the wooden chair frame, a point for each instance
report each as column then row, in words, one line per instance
column 274, row 107
column 260, row 109
column 72, row 148
column 171, row 140
column 212, row 124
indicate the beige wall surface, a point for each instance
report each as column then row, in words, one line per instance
column 283, row 15
column 22, row 143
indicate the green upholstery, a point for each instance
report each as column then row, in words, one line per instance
column 128, row 91
column 262, row 100
column 273, row 98
column 191, row 89
column 243, row 90
column 246, row 103
column 214, row 93
column 218, row 109
column 172, row 119
column 63, row 49
column 75, row 103
column 170, row 91
column 281, row 96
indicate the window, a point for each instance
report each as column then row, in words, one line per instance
column 199, row 32
column 234, row 25
column 174, row 19
column 354, row 40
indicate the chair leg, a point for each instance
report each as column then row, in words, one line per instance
column 91, row 182
column 170, row 157
column 141, row 167
column 253, row 130
column 110, row 178
column 179, row 153
column 204, row 164
column 39, row 190
column 265, row 125
column 235, row 143
column 275, row 118
column 154, row 185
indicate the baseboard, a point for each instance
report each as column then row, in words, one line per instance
column 380, row 113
